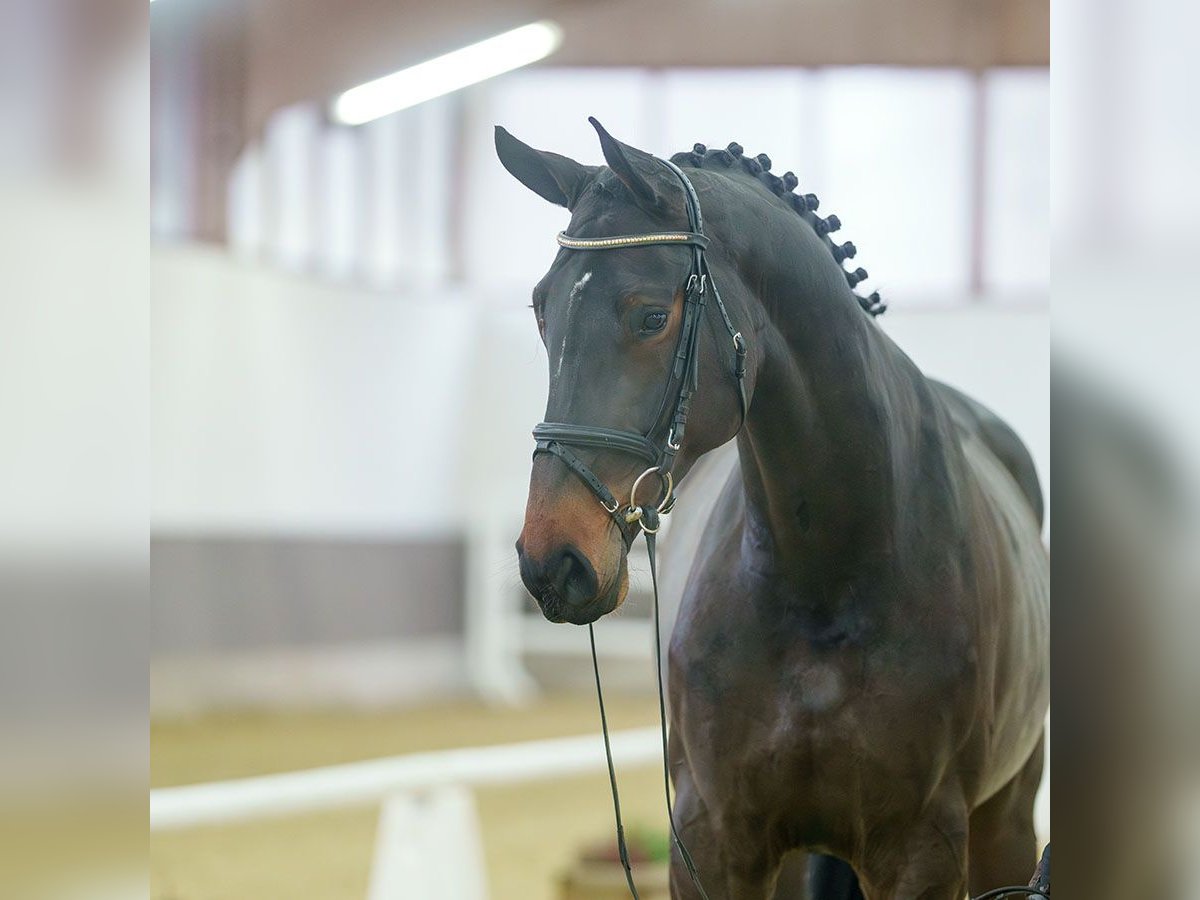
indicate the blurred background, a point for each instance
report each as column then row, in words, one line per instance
column 302, row 278
column 338, row 315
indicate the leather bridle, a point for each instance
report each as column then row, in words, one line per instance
column 558, row 438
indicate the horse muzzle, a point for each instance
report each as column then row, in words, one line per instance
column 566, row 586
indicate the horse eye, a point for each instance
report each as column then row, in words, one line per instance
column 654, row 321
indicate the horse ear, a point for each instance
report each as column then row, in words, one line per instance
column 637, row 169
column 558, row 179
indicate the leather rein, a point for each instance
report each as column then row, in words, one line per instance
column 558, row 438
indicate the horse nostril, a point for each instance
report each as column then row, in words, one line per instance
column 562, row 580
column 573, row 578
column 566, row 568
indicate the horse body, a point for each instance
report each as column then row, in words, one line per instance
column 859, row 664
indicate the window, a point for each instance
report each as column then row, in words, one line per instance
column 915, row 162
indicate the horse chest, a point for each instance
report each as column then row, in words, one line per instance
column 779, row 744
column 744, row 694
column 787, row 723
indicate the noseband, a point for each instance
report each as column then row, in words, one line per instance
column 683, row 379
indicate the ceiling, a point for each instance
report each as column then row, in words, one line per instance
column 220, row 68
column 305, row 49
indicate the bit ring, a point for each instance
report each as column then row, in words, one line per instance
column 667, row 481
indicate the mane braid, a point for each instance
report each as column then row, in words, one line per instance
column 805, row 205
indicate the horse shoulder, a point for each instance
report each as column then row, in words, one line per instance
column 1011, row 595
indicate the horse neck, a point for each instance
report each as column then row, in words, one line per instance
column 818, row 453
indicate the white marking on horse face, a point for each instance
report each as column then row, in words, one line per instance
column 820, row 687
column 571, row 298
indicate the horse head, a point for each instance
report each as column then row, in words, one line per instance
column 612, row 322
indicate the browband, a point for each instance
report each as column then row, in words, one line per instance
column 616, row 242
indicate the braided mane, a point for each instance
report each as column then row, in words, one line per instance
column 804, row 204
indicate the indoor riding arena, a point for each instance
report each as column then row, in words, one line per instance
column 800, row 284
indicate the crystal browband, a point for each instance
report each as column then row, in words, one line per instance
column 632, row 240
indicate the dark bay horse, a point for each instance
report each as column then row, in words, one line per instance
column 860, row 663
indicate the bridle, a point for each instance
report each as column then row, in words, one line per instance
column 558, row 438
column 683, row 381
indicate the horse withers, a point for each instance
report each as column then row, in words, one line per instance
column 860, row 661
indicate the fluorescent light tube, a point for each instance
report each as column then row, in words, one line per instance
column 444, row 74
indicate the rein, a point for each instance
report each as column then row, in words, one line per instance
column 650, row 526
column 558, row 438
